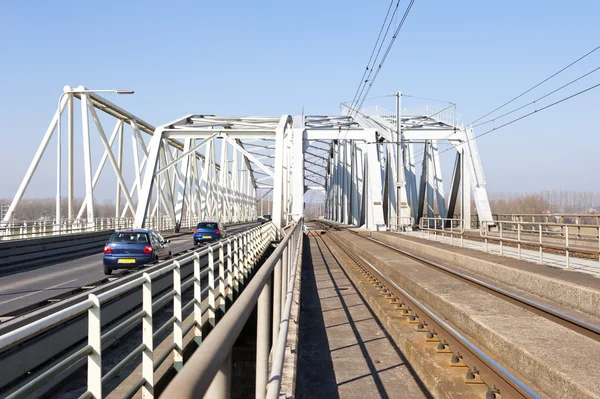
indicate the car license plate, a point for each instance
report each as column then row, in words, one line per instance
column 126, row 260
column 206, row 236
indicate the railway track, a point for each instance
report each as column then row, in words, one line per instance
column 448, row 337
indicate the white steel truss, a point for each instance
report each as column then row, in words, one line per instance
column 212, row 167
column 428, row 198
column 189, row 183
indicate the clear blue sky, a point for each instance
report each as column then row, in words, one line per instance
column 272, row 58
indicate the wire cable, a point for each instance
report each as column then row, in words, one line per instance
column 537, row 85
column 373, row 51
column 523, row 117
column 364, row 84
column 392, row 41
column 537, row 99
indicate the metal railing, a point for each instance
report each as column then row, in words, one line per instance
column 444, row 226
column 45, row 228
column 561, row 218
column 549, row 236
column 543, row 235
column 401, row 223
column 208, row 372
column 223, row 275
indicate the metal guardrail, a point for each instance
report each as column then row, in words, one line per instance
column 401, row 223
column 237, row 256
column 553, row 236
column 19, row 255
column 525, row 231
column 208, row 372
column 562, row 218
column 444, row 226
column 47, row 228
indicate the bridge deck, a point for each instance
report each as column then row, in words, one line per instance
column 343, row 350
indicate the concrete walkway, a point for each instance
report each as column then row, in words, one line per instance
column 577, row 264
column 343, row 350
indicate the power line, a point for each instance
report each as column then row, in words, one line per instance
column 524, row 116
column 526, row 105
column 537, row 85
column 538, row 99
column 374, row 47
column 392, row 41
column 364, row 83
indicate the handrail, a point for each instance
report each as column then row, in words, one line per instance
column 539, row 230
column 214, row 355
column 249, row 246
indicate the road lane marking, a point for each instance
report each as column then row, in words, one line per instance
column 37, row 292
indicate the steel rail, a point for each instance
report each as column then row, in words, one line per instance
column 581, row 326
column 510, row 386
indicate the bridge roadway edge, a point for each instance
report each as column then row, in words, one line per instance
column 64, row 339
column 519, row 340
column 166, row 372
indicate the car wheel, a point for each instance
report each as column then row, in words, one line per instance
column 169, row 253
column 107, row 271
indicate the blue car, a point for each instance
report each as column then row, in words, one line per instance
column 127, row 249
column 209, row 231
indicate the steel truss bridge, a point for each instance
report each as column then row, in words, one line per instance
column 202, row 166
column 217, row 167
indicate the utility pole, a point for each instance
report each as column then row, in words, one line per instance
column 399, row 171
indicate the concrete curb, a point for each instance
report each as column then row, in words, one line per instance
column 518, row 339
column 578, row 297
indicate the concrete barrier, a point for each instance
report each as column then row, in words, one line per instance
column 17, row 255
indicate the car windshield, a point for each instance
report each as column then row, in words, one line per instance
column 208, row 225
column 128, row 238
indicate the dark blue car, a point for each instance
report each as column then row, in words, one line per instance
column 127, row 249
column 209, row 231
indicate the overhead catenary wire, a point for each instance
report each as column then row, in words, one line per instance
column 538, row 99
column 537, row 85
column 523, row 117
column 387, row 52
column 374, row 47
column 375, row 61
column 526, row 105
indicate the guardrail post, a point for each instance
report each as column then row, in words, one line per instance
column 220, row 387
column 229, row 271
column 222, row 287
column 486, row 228
column 197, row 300
column 147, row 340
column 540, row 235
column 276, row 300
column 262, row 340
column 519, row 240
column 236, row 265
column 501, row 243
column 177, row 313
column 244, row 255
column 211, row 286
column 567, row 245
column 94, row 369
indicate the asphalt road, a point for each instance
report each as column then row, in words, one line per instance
column 23, row 289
